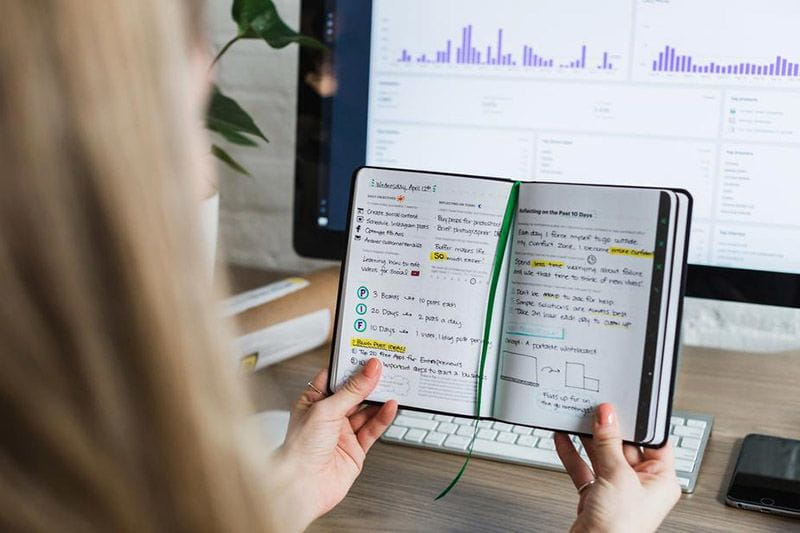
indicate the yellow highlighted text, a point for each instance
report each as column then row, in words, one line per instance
column 377, row 345
column 630, row 252
column 544, row 263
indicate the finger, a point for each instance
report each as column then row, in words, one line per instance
column 353, row 410
column 633, row 454
column 607, row 442
column 577, row 469
column 588, row 446
column 660, row 459
column 358, row 419
column 355, row 390
column 310, row 396
column 665, row 454
column 375, row 426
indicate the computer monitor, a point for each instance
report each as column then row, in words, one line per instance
column 699, row 95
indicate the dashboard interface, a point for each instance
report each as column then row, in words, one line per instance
column 675, row 93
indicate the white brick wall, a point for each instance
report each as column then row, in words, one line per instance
column 255, row 215
column 256, row 212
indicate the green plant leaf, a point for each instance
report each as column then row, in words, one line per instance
column 259, row 19
column 227, row 118
column 229, row 134
column 226, row 158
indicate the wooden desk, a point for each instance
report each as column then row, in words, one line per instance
column 745, row 392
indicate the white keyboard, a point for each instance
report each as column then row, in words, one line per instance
column 689, row 433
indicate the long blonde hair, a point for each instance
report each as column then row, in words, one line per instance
column 116, row 407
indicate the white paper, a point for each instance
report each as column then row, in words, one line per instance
column 281, row 341
column 416, row 286
column 577, row 305
column 261, row 295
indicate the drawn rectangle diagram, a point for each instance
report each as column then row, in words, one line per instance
column 520, row 368
column 575, row 377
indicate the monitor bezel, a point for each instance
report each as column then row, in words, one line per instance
column 312, row 148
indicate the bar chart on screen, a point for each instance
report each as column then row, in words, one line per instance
column 718, row 41
column 492, row 38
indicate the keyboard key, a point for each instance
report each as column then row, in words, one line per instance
column 678, row 421
column 683, row 482
column 502, row 426
column 695, row 423
column 691, row 443
column 507, row 437
column 417, row 414
column 527, row 440
column 395, row 432
column 521, row 430
column 465, row 431
column 546, row 444
column 458, row 443
column 485, row 424
column 686, row 454
column 435, row 438
column 512, row 451
column 674, row 440
column 684, row 466
column 412, row 422
column 488, row 434
column 462, row 421
column 543, row 433
column 447, row 427
column 443, row 418
column 415, row 435
column 688, row 431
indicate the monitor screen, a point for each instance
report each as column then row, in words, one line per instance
column 680, row 93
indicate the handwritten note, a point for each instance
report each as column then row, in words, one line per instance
column 418, row 268
column 577, row 302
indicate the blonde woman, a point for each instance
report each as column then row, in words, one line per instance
column 118, row 411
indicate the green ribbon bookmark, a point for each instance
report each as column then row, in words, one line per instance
column 505, row 230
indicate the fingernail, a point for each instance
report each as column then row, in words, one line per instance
column 371, row 368
column 604, row 416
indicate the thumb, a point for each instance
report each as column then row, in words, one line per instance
column 607, row 441
column 355, row 390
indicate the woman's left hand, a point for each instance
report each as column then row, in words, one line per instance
column 326, row 443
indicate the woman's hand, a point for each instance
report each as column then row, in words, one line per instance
column 326, row 443
column 634, row 489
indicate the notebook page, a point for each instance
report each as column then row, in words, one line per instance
column 579, row 306
column 415, row 286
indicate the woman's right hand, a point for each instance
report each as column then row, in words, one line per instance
column 634, row 489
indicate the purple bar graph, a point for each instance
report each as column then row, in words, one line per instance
column 669, row 61
column 500, row 45
column 469, row 50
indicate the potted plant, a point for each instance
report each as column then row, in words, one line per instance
column 225, row 118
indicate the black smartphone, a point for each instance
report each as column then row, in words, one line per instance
column 767, row 476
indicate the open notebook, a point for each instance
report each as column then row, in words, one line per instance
column 587, row 306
